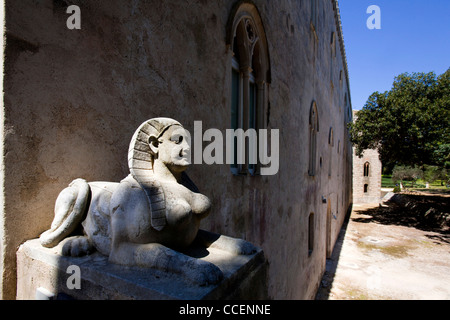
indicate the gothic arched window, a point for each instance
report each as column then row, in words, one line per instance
column 330, row 145
column 313, row 129
column 366, row 169
column 250, row 76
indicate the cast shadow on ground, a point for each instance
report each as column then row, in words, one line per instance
column 323, row 292
column 429, row 213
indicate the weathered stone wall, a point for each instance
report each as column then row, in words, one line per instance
column 373, row 181
column 73, row 98
column 372, row 192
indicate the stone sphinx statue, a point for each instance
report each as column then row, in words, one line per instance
column 148, row 218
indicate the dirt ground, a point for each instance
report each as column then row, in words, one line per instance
column 385, row 255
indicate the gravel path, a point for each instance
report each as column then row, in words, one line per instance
column 377, row 259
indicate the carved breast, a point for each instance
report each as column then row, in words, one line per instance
column 183, row 205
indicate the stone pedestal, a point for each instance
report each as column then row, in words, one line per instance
column 44, row 273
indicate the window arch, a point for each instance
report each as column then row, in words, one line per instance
column 313, row 129
column 338, row 158
column 310, row 233
column 250, row 75
column 330, row 146
column 332, row 58
column 366, row 169
column 331, row 137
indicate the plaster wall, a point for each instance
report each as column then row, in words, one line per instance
column 73, row 99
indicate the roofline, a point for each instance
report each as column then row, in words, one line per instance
column 337, row 16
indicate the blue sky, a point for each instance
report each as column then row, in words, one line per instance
column 414, row 37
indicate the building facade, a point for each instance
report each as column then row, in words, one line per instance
column 366, row 175
column 72, row 98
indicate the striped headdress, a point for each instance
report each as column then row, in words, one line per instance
column 140, row 162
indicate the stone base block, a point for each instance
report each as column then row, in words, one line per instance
column 44, row 273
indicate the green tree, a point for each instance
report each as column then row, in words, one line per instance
column 409, row 125
column 406, row 173
column 442, row 156
column 433, row 173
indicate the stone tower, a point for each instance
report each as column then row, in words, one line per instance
column 366, row 175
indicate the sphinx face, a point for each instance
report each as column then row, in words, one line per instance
column 174, row 150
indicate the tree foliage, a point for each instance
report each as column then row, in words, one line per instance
column 433, row 173
column 409, row 125
column 406, row 173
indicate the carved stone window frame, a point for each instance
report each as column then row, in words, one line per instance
column 249, row 57
column 313, row 130
column 330, row 146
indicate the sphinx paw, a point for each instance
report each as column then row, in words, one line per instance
column 206, row 273
column 77, row 246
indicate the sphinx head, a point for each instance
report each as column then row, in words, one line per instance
column 161, row 140
column 171, row 147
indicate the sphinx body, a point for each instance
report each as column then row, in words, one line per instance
column 120, row 212
column 145, row 218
